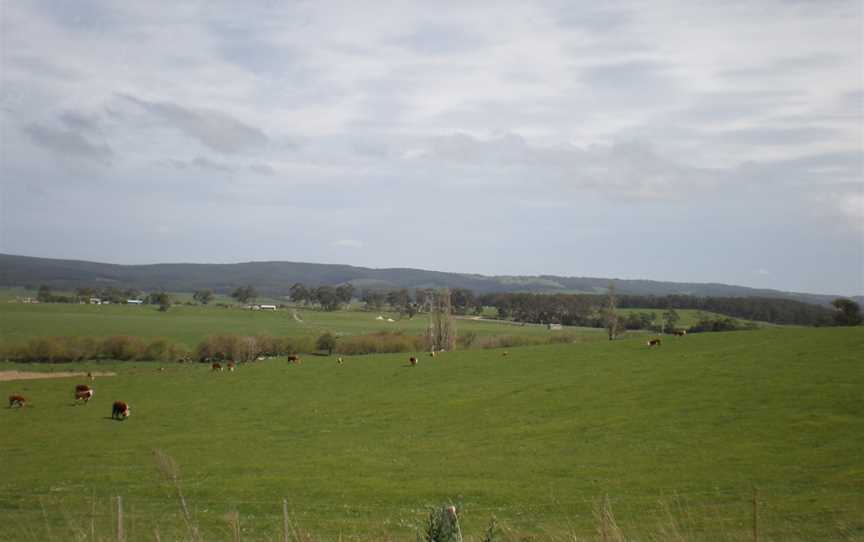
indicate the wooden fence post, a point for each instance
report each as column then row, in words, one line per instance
column 120, row 537
column 755, row 515
column 285, row 519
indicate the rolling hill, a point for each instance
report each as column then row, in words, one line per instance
column 275, row 278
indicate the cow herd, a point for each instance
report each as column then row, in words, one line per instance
column 120, row 410
column 83, row 394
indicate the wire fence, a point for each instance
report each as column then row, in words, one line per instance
column 705, row 515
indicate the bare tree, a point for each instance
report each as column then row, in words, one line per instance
column 441, row 334
column 613, row 324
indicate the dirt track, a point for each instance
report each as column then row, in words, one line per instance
column 29, row 375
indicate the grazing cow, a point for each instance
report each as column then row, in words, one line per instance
column 293, row 358
column 83, row 392
column 653, row 342
column 120, row 410
column 216, row 367
column 231, row 366
column 16, row 399
column 680, row 332
column 412, row 360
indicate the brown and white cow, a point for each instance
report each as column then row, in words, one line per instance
column 216, row 367
column 120, row 410
column 680, row 332
column 231, row 366
column 18, row 400
column 653, row 342
column 83, row 392
column 293, row 358
column 412, row 360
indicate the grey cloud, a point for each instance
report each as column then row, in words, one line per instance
column 635, row 74
column 635, row 83
column 214, row 129
column 263, row 169
column 68, row 142
column 731, row 106
column 246, row 46
column 590, row 18
column 43, row 68
column 772, row 137
column 440, row 39
column 628, row 169
column 78, row 121
column 88, row 15
column 785, row 65
column 200, row 163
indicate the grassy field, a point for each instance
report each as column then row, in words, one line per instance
column 688, row 317
column 676, row 437
column 190, row 324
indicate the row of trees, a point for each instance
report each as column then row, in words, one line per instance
column 329, row 298
column 589, row 310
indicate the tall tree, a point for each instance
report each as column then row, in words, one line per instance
column 847, row 312
column 613, row 325
column 441, row 333
column 44, row 294
column 670, row 319
column 203, row 296
column 245, row 294
column 374, row 300
column 326, row 297
column 344, row 293
column 299, row 293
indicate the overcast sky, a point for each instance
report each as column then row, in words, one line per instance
column 686, row 141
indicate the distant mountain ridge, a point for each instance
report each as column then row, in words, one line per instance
column 275, row 278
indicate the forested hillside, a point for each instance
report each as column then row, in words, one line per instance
column 276, row 278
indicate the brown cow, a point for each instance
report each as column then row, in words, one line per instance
column 412, row 360
column 216, row 367
column 293, row 358
column 653, row 342
column 16, row 399
column 231, row 366
column 120, row 410
column 83, row 392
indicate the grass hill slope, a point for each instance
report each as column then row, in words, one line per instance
column 676, row 437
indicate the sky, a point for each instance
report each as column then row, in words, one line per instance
column 681, row 141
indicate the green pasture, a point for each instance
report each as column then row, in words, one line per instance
column 190, row 324
column 687, row 317
column 675, row 437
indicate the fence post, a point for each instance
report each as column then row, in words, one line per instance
column 285, row 519
column 120, row 536
column 755, row 515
